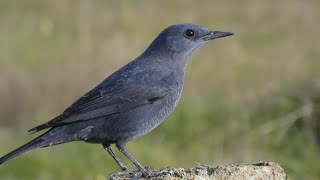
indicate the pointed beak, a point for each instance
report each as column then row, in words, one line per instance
column 216, row 34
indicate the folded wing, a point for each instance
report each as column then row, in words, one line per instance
column 103, row 102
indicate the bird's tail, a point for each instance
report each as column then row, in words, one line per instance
column 33, row 144
column 49, row 138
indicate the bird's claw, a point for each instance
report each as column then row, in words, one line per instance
column 124, row 168
column 147, row 171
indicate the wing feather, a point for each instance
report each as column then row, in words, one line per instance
column 103, row 102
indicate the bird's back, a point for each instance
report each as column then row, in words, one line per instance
column 141, row 120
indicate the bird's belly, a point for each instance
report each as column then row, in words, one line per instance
column 140, row 121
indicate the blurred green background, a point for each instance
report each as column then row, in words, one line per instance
column 251, row 97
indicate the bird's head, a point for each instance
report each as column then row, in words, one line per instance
column 184, row 39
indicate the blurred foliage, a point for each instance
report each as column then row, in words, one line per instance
column 248, row 98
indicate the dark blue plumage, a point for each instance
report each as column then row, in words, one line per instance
column 132, row 101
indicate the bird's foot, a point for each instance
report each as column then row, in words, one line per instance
column 149, row 171
column 127, row 174
column 145, row 172
column 162, row 171
column 124, row 168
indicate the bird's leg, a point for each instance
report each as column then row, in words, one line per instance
column 115, row 157
column 122, row 148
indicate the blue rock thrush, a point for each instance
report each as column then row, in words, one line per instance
column 132, row 101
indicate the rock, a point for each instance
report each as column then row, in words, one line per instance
column 256, row 171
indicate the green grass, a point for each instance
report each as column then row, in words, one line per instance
column 239, row 96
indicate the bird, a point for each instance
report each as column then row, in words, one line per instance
column 132, row 101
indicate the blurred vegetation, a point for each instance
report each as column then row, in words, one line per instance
column 251, row 97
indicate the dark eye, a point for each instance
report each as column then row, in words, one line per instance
column 189, row 33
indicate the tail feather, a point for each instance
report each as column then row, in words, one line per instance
column 33, row 144
column 52, row 137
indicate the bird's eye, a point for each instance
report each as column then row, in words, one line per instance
column 189, row 33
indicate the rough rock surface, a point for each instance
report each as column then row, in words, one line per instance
column 256, row 171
